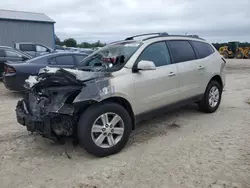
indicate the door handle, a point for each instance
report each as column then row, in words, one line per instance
column 171, row 74
column 200, row 67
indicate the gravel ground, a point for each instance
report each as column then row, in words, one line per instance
column 201, row 150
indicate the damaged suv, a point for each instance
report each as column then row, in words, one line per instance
column 100, row 102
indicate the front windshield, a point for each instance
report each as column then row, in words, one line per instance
column 110, row 58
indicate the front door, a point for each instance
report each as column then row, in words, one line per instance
column 156, row 88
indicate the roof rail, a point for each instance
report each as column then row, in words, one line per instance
column 159, row 34
column 191, row 36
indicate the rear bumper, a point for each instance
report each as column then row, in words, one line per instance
column 13, row 83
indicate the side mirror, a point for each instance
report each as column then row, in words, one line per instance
column 146, row 65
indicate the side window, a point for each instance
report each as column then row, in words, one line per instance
column 2, row 54
column 181, row 51
column 202, row 49
column 156, row 52
column 27, row 47
column 64, row 60
column 10, row 53
column 40, row 48
column 80, row 57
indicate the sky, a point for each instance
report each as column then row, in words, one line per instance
column 111, row 20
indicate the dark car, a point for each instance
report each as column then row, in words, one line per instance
column 15, row 74
column 8, row 54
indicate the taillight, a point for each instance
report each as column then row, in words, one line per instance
column 9, row 69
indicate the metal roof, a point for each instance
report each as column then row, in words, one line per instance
column 24, row 16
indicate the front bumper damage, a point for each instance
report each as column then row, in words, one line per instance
column 52, row 119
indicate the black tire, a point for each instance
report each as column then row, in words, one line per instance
column 204, row 103
column 86, row 121
column 239, row 55
column 225, row 54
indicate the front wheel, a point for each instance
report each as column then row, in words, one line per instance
column 212, row 97
column 104, row 129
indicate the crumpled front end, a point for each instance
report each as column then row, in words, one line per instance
column 49, row 112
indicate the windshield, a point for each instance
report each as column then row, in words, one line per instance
column 110, row 58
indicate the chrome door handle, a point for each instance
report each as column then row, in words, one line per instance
column 201, row 67
column 171, row 74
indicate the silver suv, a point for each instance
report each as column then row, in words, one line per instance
column 100, row 102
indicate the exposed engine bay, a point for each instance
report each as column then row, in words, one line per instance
column 55, row 99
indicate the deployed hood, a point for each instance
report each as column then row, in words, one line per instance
column 60, row 77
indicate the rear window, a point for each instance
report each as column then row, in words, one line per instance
column 62, row 60
column 202, row 49
column 181, row 51
column 79, row 58
column 27, row 47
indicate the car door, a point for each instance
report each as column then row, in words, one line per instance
column 41, row 50
column 28, row 48
column 204, row 52
column 2, row 61
column 63, row 61
column 156, row 88
column 184, row 57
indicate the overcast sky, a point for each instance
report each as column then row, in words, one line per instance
column 108, row 20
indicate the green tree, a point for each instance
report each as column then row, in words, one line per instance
column 57, row 40
column 70, row 42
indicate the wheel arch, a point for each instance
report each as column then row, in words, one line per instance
column 82, row 106
column 218, row 79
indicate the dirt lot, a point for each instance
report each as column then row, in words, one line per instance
column 206, row 150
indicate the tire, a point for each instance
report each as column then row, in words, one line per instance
column 90, row 116
column 239, row 55
column 204, row 104
column 225, row 54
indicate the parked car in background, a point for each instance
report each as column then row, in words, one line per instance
column 59, row 48
column 86, row 50
column 33, row 49
column 15, row 74
column 8, row 54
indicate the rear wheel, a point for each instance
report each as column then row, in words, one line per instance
column 225, row 54
column 239, row 55
column 104, row 129
column 212, row 97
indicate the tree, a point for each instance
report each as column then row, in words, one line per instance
column 57, row 40
column 70, row 42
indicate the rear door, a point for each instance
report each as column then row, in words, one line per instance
column 63, row 61
column 205, row 59
column 79, row 58
column 183, row 55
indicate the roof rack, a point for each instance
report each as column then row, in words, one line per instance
column 190, row 36
column 159, row 34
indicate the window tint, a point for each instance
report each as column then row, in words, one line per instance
column 9, row 53
column 64, row 60
column 181, row 51
column 27, row 47
column 2, row 54
column 79, row 58
column 202, row 49
column 40, row 48
column 158, row 53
